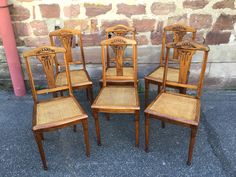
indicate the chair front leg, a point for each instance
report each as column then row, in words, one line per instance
column 91, row 95
column 74, row 128
column 86, row 136
column 147, row 122
column 191, row 144
column 40, row 147
column 146, row 92
column 137, row 128
column 95, row 115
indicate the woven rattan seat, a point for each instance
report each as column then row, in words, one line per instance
column 176, row 106
column 58, row 109
column 117, row 97
column 157, row 75
column 78, row 78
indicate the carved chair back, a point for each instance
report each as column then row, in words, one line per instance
column 178, row 31
column 69, row 38
column 186, row 50
column 118, row 44
column 119, row 30
column 46, row 57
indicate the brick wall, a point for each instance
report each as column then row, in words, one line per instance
column 214, row 19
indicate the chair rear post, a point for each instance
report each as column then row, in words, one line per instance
column 81, row 50
column 29, row 71
column 162, row 58
column 103, row 66
column 135, row 64
column 202, row 74
column 165, row 69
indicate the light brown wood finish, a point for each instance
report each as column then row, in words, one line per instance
column 176, row 108
column 113, row 98
column 156, row 77
column 79, row 78
column 123, row 31
column 52, row 114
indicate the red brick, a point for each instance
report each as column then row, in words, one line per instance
column 39, row 27
column 106, row 24
column 159, row 8
column 93, row 39
column 195, row 4
column 21, row 29
column 129, row 10
column 142, row 40
column 19, row 13
column 178, row 19
column 156, row 38
column 93, row 10
column 214, row 38
column 200, row 21
column 50, row 10
column 36, row 41
column 78, row 24
column 72, row 10
column 224, row 4
column 224, row 22
column 144, row 25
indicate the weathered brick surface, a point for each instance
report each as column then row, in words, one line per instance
column 130, row 10
column 78, row 24
column 109, row 23
column 72, row 10
column 178, row 19
column 200, row 21
column 21, row 29
column 93, row 10
column 19, row 13
column 224, row 4
column 215, row 38
column 195, row 4
column 214, row 19
column 225, row 22
column 50, row 10
column 39, row 28
column 144, row 25
column 92, row 39
column 36, row 41
column 159, row 8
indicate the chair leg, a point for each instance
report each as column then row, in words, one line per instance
column 41, row 151
column 41, row 136
column 159, row 90
column 87, row 93
column 91, row 95
column 146, row 92
column 183, row 90
column 137, row 128
column 95, row 115
column 147, row 122
column 74, row 128
column 163, row 125
column 107, row 115
column 61, row 93
column 191, row 144
column 86, row 136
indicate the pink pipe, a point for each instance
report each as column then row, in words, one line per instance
column 9, row 44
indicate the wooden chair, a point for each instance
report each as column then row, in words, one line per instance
column 79, row 78
column 155, row 77
column 118, row 98
column 53, row 113
column 176, row 108
column 124, row 31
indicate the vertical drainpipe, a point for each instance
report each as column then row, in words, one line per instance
column 9, row 45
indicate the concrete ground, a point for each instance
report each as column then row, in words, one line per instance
column 214, row 153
